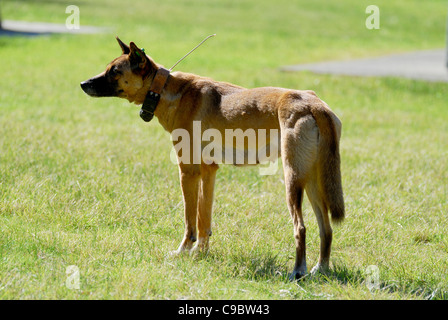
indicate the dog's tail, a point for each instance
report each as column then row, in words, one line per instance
column 329, row 161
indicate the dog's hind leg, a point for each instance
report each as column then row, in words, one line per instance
column 189, row 179
column 325, row 231
column 294, row 195
column 299, row 152
column 205, row 204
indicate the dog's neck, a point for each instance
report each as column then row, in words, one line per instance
column 170, row 100
column 169, row 107
column 170, row 96
column 153, row 96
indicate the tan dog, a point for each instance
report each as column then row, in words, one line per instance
column 308, row 140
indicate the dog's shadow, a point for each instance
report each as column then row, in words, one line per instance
column 251, row 265
column 344, row 275
column 262, row 267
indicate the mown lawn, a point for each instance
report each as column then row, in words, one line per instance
column 85, row 182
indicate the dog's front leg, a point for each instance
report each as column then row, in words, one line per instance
column 205, row 204
column 189, row 179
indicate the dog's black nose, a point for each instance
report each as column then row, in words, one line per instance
column 84, row 85
column 87, row 87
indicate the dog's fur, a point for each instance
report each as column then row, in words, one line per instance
column 308, row 141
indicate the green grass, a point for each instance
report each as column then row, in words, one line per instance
column 85, row 182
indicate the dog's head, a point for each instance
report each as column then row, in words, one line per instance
column 124, row 76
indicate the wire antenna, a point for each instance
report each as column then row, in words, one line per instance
column 212, row 35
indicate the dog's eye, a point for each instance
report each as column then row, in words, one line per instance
column 114, row 71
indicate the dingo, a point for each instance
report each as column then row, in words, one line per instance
column 308, row 142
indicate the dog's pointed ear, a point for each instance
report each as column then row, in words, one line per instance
column 137, row 56
column 124, row 47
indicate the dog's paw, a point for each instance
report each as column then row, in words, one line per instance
column 319, row 269
column 178, row 252
column 201, row 247
column 298, row 274
column 295, row 276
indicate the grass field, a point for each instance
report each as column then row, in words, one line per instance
column 85, row 182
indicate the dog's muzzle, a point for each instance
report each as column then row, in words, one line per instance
column 87, row 87
column 99, row 87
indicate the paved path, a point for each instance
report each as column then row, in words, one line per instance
column 429, row 65
column 12, row 28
